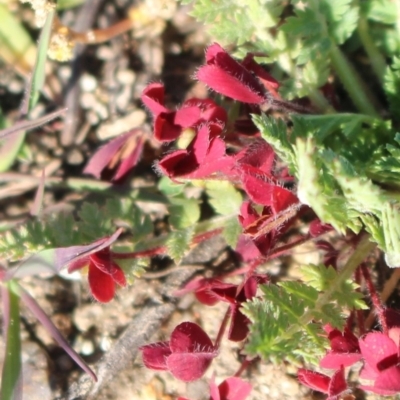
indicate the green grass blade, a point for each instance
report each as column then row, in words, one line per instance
column 16, row 46
column 11, row 387
column 39, row 73
column 11, row 146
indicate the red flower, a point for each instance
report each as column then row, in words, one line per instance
column 204, row 156
column 345, row 350
column 381, row 353
column 103, row 274
column 210, row 291
column 230, row 389
column 119, row 155
column 168, row 125
column 227, row 76
column 187, row 355
column 334, row 387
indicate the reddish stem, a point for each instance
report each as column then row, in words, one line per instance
column 245, row 364
column 222, row 328
column 374, row 297
column 162, row 249
column 278, row 251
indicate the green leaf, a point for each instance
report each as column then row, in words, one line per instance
column 17, row 49
column 39, row 72
column 232, row 231
column 11, row 381
column 224, row 198
column 170, row 188
column 392, row 86
column 183, row 213
column 383, row 11
column 307, row 293
column 178, row 243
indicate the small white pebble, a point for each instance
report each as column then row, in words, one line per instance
column 101, row 110
column 16, row 86
column 64, row 71
column 88, row 100
column 88, row 83
column 126, row 76
column 105, row 343
column 121, row 125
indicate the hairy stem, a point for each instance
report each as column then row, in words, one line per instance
column 355, row 87
column 376, row 59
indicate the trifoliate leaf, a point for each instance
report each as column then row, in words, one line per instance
column 183, row 212
column 224, row 198
column 178, row 243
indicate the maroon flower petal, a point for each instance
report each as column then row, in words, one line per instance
column 234, row 389
column 392, row 318
column 188, row 116
column 155, row 355
column 231, row 84
column 334, row 360
column 270, row 83
column 248, row 215
column 345, row 342
column 189, row 366
column 318, row 228
column 247, row 249
column 389, row 379
column 165, row 129
column 103, row 156
column 216, row 291
column 153, row 98
column 239, row 326
column 78, row 264
column 259, row 155
column 251, row 285
column 262, row 192
column 173, row 164
column 102, row 285
column 337, row 385
column 230, row 78
column 189, row 337
column 131, row 160
column 375, row 347
column 314, row 380
column 102, row 260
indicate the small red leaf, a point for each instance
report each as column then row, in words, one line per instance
column 238, row 329
column 189, row 366
column 102, row 285
column 234, row 389
column 153, row 98
column 230, row 85
column 375, row 347
column 189, row 337
column 314, row 380
column 165, row 129
column 335, row 360
column 389, row 379
column 230, row 78
column 337, row 384
column 155, row 355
